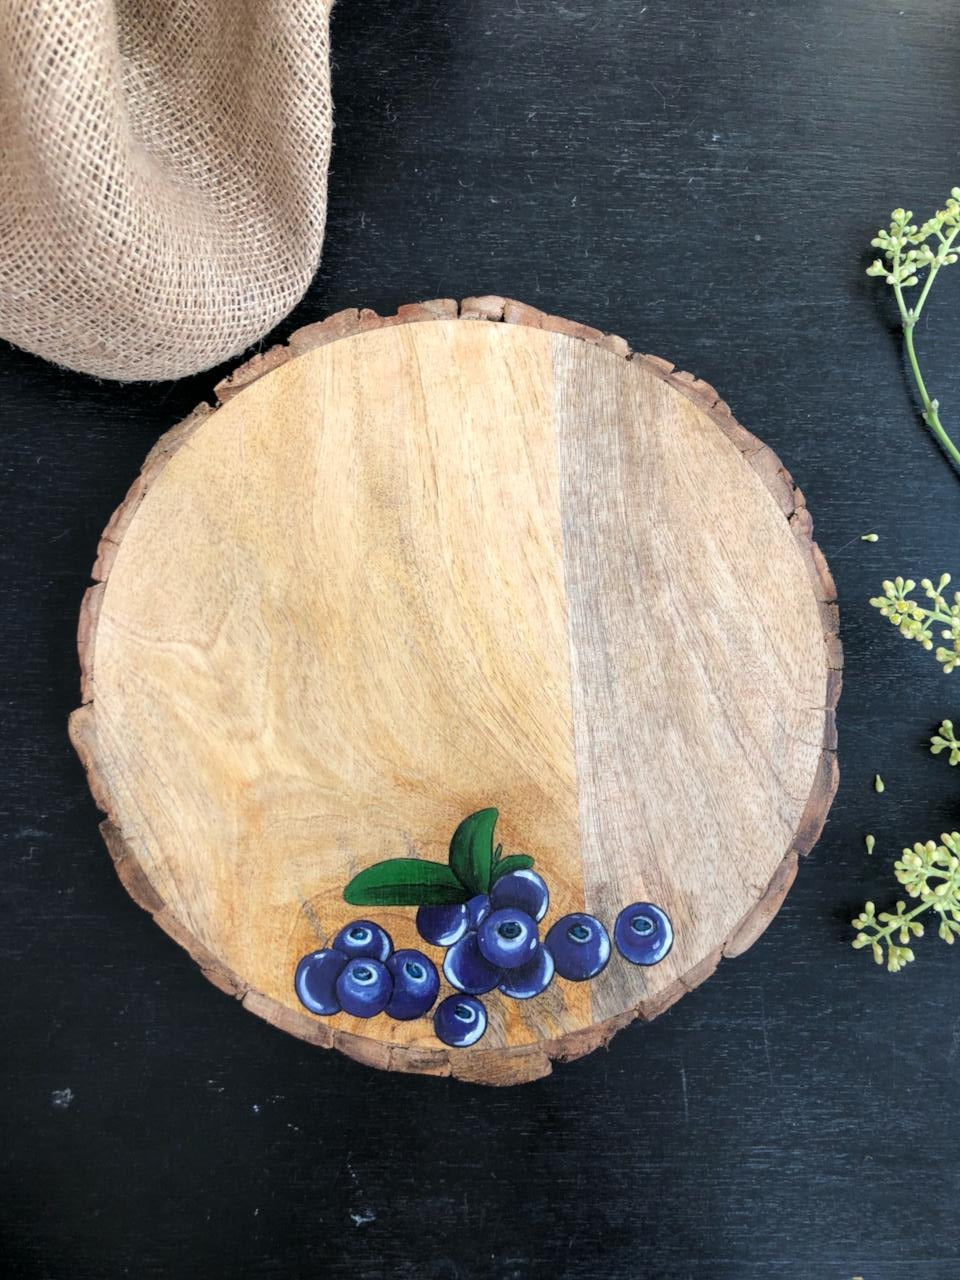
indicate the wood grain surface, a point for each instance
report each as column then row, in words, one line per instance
column 414, row 566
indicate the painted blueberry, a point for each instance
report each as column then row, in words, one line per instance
column 531, row 978
column 580, row 946
column 364, row 987
column 445, row 925
column 465, row 968
column 415, row 985
column 363, row 938
column 643, row 933
column 478, row 909
column 508, row 938
column 523, row 889
column 316, row 981
column 460, row 1021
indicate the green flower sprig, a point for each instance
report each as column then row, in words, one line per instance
column 944, row 740
column 931, row 873
column 917, row 622
column 910, row 250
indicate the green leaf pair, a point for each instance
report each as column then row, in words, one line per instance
column 473, row 867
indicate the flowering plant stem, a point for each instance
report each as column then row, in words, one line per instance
column 908, row 250
column 931, row 414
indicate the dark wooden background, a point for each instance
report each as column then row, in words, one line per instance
column 702, row 177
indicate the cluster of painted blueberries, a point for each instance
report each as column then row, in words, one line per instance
column 492, row 941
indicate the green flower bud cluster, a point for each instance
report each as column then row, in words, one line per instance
column 930, row 873
column 944, row 740
column 918, row 622
column 905, row 246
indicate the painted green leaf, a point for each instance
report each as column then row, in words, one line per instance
column 515, row 862
column 471, row 850
column 405, row 882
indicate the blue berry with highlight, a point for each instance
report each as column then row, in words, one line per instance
column 460, row 1021
column 415, row 985
column 364, row 987
column 508, row 938
column 443, row 926
column 466, row 968
column 315, row 981
column 580, row 946
column 522, row 889
column 530, row 979
column 363, row 938
column 478, row 908
column 643, row 933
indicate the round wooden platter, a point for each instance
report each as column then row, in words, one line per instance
column 463, row 556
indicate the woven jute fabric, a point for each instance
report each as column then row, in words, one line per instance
column 163, row 176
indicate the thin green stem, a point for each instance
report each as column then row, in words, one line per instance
column 883, row 933
column 932, row 273
column 897, row 289
column 934, row 615
column 930, row 414
column 892, row 925
column 931, row 276
column 909, row 319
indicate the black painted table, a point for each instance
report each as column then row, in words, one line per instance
column 703, row 178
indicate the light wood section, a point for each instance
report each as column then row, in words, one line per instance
column 697, row 662
column 417, row 565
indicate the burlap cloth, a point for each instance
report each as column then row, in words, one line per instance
column 163, row 176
